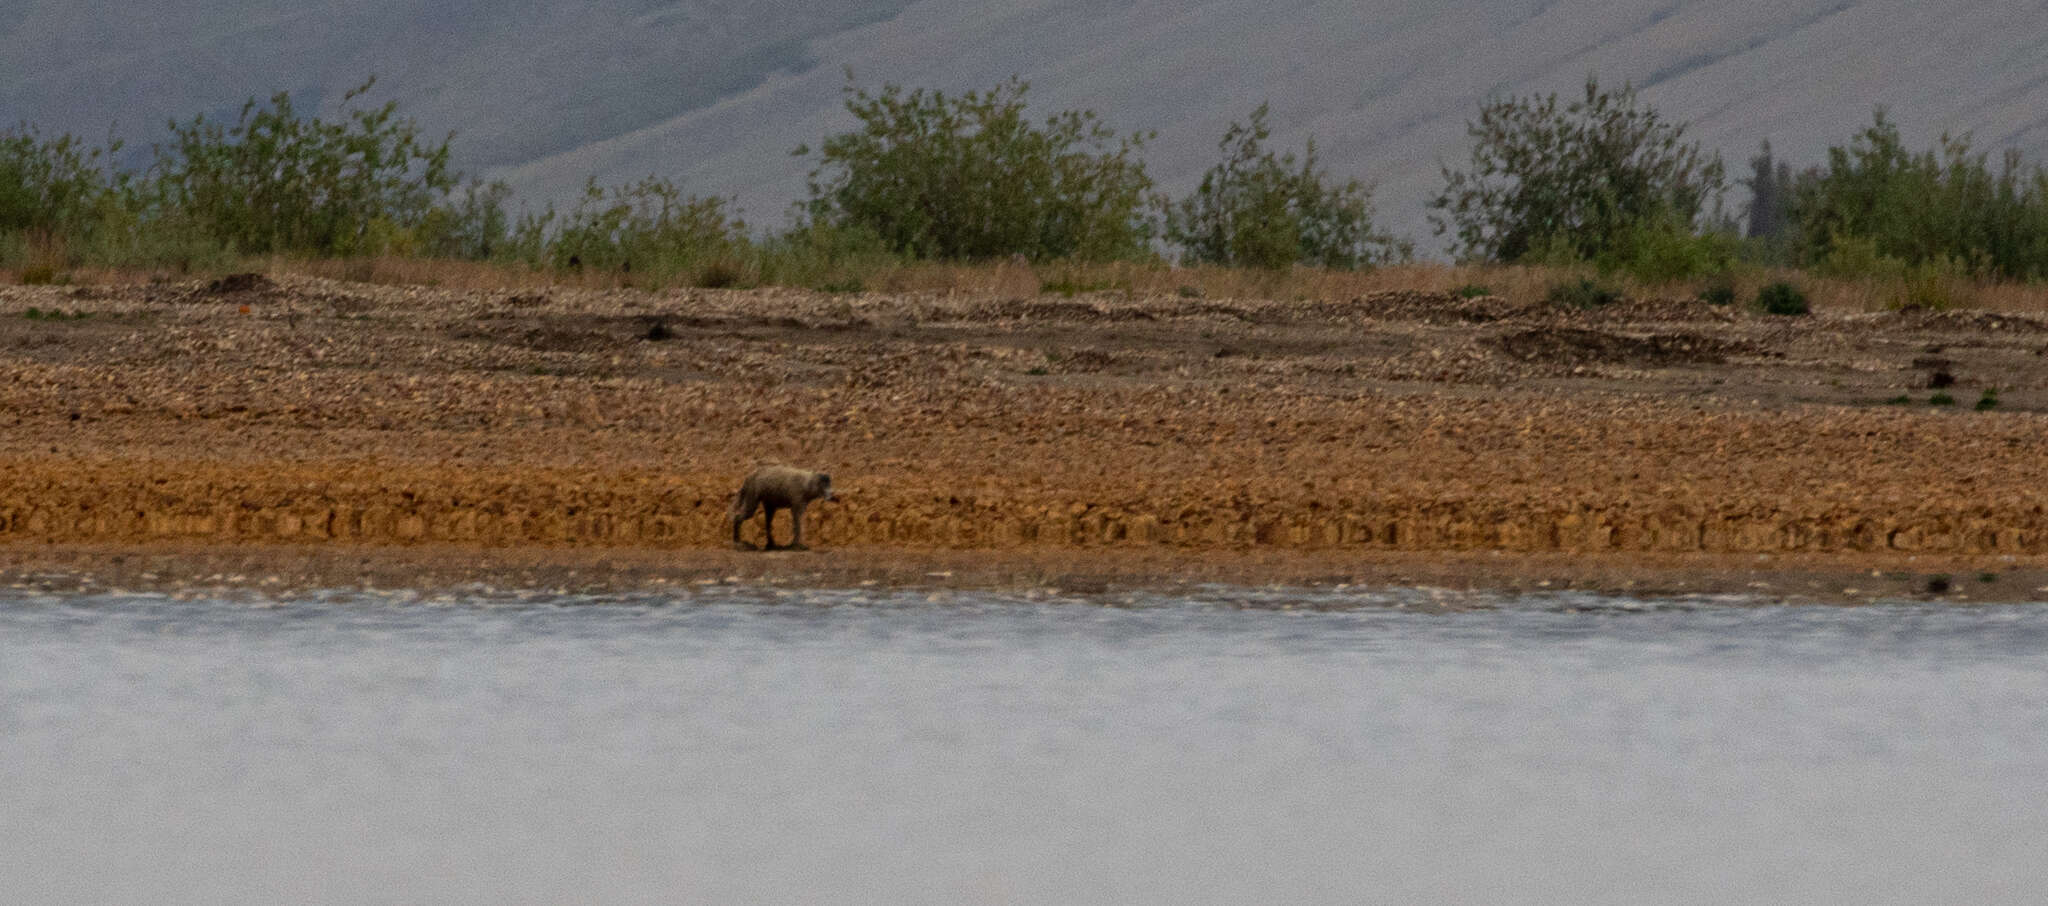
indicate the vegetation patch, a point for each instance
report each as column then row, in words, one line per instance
column 1265, row 210
column 55, row 314
column 1782, row 298
column 1579, row 179
column 1582, row 293
column 1066, row 187
column 1071, row 286
column 1719, row 292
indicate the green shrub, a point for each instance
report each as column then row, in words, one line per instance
column 823, row 256
column 1718, row 292
column 1073, row 282
column 1900, row 400
column 1581, row 293
column 1472, row 291
column 276, row 181
column 1663, row 250
column 1988, row 401
column 1941, row 399
column 474, row 226
column 1581, row 175
column 969, row 178
column 1857, row 258
column 1930, row 286
column 1878, row 208
column 55, row 314
column 1267, row 210
column 649, row 229
column 1782, row 299
column 55, row 186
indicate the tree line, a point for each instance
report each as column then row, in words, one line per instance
column 1595, row 178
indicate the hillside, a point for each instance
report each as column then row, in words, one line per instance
column 717, row 93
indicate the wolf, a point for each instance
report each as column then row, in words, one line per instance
column 772, row 488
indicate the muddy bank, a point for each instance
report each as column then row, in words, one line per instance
column 312, row 412
column 1465, row 579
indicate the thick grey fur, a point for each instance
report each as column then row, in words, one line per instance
column 773, row 488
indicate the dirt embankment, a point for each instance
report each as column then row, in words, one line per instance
column 310, row 411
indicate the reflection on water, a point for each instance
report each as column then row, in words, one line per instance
column 1230, row 745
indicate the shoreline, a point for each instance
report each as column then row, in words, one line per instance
column 278, row 570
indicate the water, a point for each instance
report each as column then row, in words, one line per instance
column 733, row 745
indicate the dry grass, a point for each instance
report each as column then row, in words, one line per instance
column 47, row 260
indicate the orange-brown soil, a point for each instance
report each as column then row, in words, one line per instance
column 305, row 412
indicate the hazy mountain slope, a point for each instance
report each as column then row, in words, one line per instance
column 718, row 91
column 1386, row 85
column 515, row 80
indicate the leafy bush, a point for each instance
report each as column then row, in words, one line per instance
column 833, row 259
column 1718, row 292
column 649, row 229
column 474, row 226
column 1581, row 293
column 1988, row 401
column 1267, row 210
column 1933, row 286
column 1472, row 291
column 970, row 178
column 1857, row 257
column 1664, row 250
column 1878, row 208
column 1580, row 176
column 1941, row 399
column 1782, row 299
column 278, row 181
column 54, row 186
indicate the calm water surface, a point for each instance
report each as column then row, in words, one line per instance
column 735, row 745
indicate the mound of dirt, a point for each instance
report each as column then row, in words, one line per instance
column 1442, row 308
column 1044, row 310
column 1574, row 346
column 1087, row 361
column 1920, row 319
column 1656, row 309
column 240, row 284
column 561, row 339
